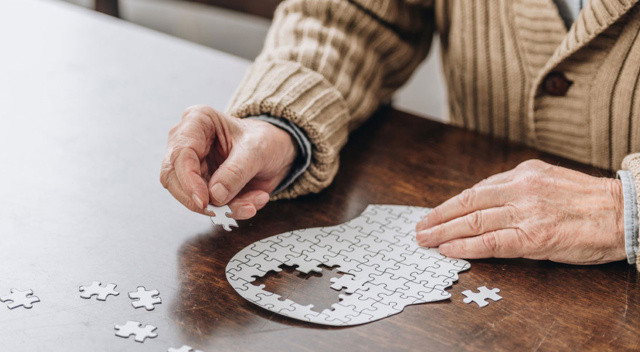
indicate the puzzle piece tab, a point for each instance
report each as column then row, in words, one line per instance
column 135, row 328
column 221, row 218
column 481, row 297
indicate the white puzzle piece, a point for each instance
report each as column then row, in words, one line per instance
column 18, row 298
column 220, row 216
column 384, row 268
column 145, row 298
column 481, row 297
column 97, row 289
column 135, row 328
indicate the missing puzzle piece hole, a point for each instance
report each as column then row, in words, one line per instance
column 304, row 289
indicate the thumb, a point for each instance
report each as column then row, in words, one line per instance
column 232, row 175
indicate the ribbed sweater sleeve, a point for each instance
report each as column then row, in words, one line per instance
column 632, row 163
column 327, row 65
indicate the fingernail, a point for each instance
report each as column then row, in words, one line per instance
column 262, row 199
column 219, row 193
column 198, row 201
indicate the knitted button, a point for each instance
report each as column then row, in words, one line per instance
column 556, row 84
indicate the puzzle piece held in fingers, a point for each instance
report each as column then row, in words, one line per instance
column 222, row 216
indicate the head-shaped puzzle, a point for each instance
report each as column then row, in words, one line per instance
column 384, row 268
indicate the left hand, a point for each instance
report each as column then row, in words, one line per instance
column 535, row 211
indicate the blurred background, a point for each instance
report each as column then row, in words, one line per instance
column 239, row 27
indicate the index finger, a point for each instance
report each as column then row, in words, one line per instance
column 187, row 166
column 470, row 200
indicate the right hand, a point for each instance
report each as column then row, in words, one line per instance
column 213, row 158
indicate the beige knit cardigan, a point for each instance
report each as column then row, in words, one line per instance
column 328, row 64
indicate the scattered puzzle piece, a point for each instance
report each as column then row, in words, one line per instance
column 97, row 289
column 481, row 297
column 221, row 218
column 145, row 298
column 184, row 348
column 135, row 328
column 383, row 267
column 19, row 298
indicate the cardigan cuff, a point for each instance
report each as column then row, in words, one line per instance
column 303, row 159
column 632, row 163
column 630, row 215
column 290, row 91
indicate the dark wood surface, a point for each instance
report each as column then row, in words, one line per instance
column 83, row 135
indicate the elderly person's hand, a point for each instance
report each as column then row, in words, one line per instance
column 535, row 211
column 219, row 159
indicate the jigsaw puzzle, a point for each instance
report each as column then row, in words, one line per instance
column 97, row 289
column 221, row 218
column 384, row 269
column 481, row 297
column 135, row 328
column 145, row 298
column 19, row 298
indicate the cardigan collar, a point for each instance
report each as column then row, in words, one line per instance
column 595, row 18
column 543, row 53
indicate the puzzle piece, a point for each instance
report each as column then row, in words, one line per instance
column 19, row 298
column 349, row 282
column 220, row 216
column 145, row 298
column 481, row 297
column 135, row 328
column 184, row 348
column 383, row 267
column 97, row 289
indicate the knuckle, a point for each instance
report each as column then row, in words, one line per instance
column 474, row 222
column 531, row 164
column 543, row 237
column 234, row 174
column 512, row 213
column 164, row 176
column 490, row 241
column 174, row 153
column 467, row 198
column 529, row 180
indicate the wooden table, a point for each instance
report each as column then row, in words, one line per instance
column 86, row 102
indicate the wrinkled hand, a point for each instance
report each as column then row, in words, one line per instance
column 218, row 159
column 535, row 211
